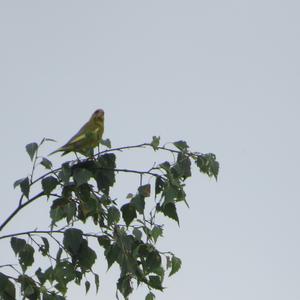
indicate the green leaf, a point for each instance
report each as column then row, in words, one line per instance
column 56, row 214
column 70, row 211
column 87, row 286
column 144, row 249
column 63, row 273
column 153, row 261
column 137, row 233
column 81, row 176
column 156, row 232
column 207, row 164
column 155, row 142
column 72, row 240
column 105, row 174
column 106, row 143
column 97, row 282
column 26, row 258
column 169, row 210
column 88, row 206
column 112, row 253
column 49, row 274
column 78, row 275
column 84, row 192
column 65, row 173
column 46, row 163
column 61, row 287
column 125, row 241
column 128, row 213
column 18, row 182
column 202, row 163
column 7, row 288
column 155, row 282
column 181, row 145
column 40, row 275
column 59, row 209
column 170, row 193
column 124, row 285
column 145, row 190
column 150, row 296
column 176, row 265
column 86, row 256
column 58, row 254
column 138, row 202
column 24, row 186
column 214, row 168
column 44, row 276
column 49, row 184
column 31, row 149
column 159, row 185
column 113, row 215
column 28, row 287
column 147, row 231
column 160, row 271
column 165, row 166
column 104, row 241
column 183, row 166
column 45, row 248
column 17, row 244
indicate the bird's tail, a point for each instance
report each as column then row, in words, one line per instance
column 57, row 150
column 53, row 152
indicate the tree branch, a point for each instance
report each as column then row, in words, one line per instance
column 49, row 232
column 20, row 207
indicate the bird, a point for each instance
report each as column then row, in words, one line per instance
column 87, row 138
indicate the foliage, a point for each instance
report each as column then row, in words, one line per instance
column 126, row 230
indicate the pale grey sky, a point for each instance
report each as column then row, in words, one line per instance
column 224, row 75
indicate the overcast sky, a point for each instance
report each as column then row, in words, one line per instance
column 223, row 75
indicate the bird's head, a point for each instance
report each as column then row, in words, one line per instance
column 98, row 116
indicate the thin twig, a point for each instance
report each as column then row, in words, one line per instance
column 124, row 148
column 134, row 171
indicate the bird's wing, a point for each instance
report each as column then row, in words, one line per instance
column 80, row 135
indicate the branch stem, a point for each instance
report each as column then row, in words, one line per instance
column 20, row 207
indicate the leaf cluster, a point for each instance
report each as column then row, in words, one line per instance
column 126, row 230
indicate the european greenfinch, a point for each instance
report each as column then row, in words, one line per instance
column 88, row 136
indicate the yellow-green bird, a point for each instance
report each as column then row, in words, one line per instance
column 88, row 136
